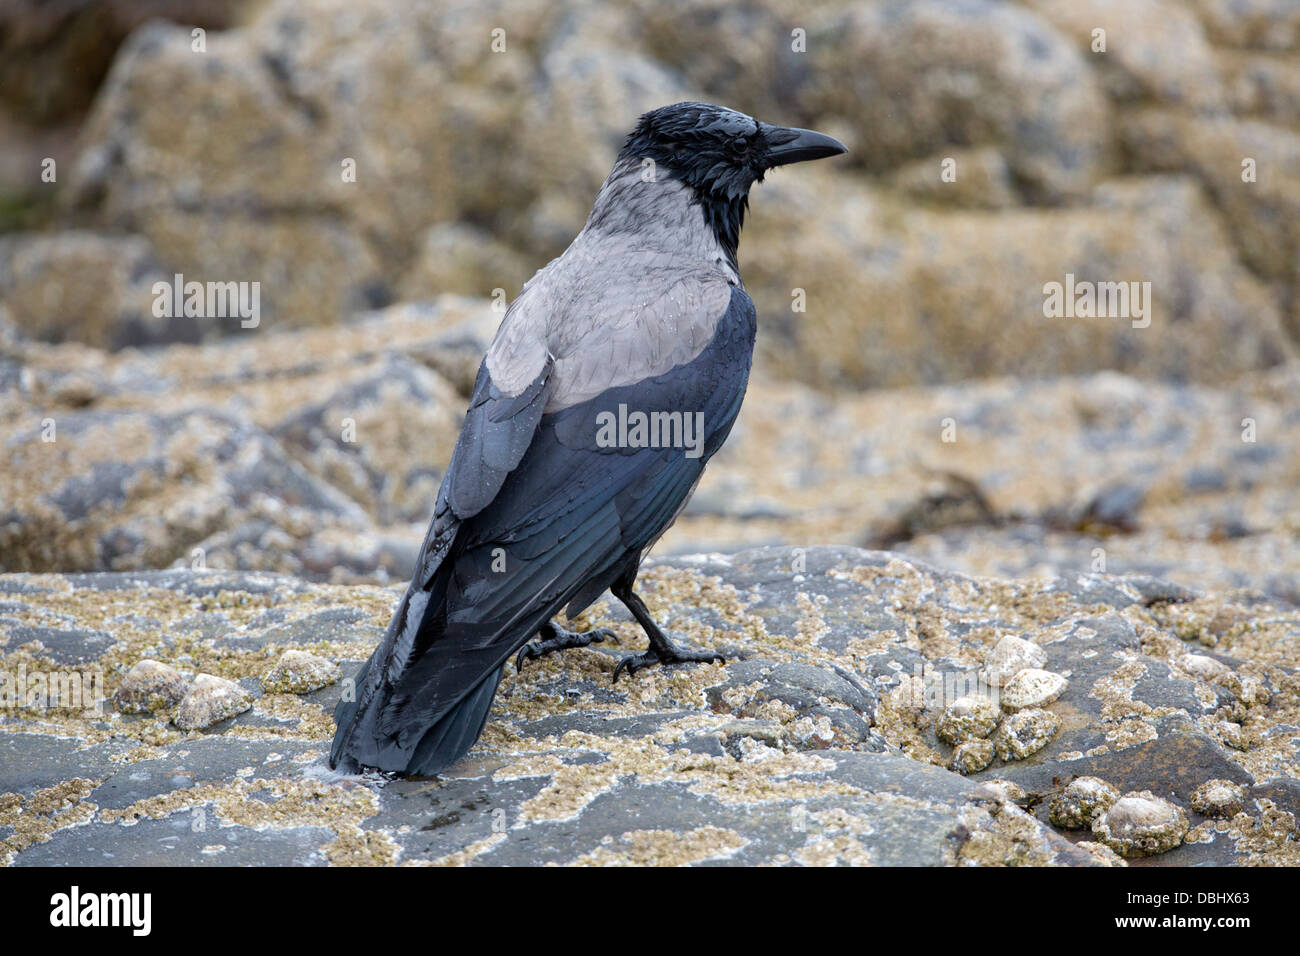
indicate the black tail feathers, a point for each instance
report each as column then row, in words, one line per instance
column 455, row 733
column 345, row 716
column 441, row 745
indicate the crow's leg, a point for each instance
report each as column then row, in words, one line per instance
column 552, row 638
column 661, row 650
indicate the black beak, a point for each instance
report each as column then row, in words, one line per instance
column 789, row 145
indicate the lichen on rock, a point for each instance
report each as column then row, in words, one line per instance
column 813, row 744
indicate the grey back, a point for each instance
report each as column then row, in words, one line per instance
column 638, row 292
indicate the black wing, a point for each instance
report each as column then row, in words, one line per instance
column 497, row 432
column 559, row 528
column 573, row 514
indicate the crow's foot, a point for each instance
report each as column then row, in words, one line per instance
column 552, row 638
column 664, row 651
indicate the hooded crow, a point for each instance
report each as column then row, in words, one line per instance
column 614, row 377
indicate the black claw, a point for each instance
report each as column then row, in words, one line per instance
column 631, row 662
column 670, row 654
column 562, row 640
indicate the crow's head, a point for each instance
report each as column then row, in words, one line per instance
column 719, row 154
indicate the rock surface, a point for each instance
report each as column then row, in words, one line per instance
column 53, row 55
column 1128, row 492
column 813, row 744
column 85, row 287
column 318, row 453
column 320, row 137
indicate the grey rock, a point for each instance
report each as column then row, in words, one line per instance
column 971, row 756
column 794, row 751
column 87, row 287
column 124, row 509
column 60, row 645
column 826, row 709
column 359, row 437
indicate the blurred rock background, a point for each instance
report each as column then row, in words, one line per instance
column 919, row 401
